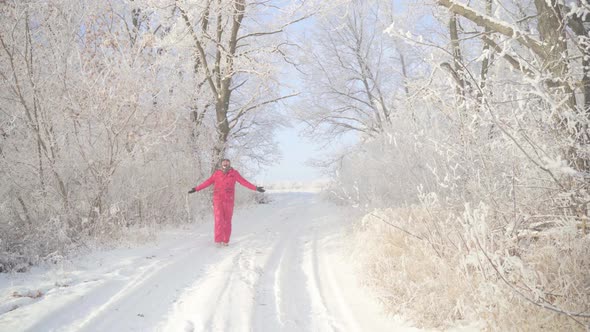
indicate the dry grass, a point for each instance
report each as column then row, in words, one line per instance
column 463, row 273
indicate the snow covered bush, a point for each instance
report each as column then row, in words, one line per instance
column 471, row 228
column 109, row 114
column 96, row 138
column 446, row 270
column 478, row 183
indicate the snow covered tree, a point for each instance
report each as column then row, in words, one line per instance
column 546, row 58
column 237, row 47
column 483, row 168
column 351, row 72
column 91, row 138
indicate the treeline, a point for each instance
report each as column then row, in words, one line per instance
column 473, row 156
column 109, row 111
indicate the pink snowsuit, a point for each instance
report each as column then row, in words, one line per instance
column 223, row 199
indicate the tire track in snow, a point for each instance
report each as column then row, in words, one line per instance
column 102, row 289
column 335, row 307
column 222, row 298
column 295, row 300
column 285, row 291
column 231, row 313
column 283, row 271
column 149, row 293
column 275, row 287
column 219, row 296
column 290, row 277
column 323, row 320
column 142, row 297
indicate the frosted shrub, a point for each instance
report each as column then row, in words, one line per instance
column 478, row 239
column 388, row 169
column 477, row 203
column 475, row 165
column 96, row 141
column 23, row 245
column 444, row 269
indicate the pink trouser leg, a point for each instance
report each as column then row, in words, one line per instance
column 223, row 211
column 228, row 213
column 217, row 213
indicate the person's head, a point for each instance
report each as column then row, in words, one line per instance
column 225, row 164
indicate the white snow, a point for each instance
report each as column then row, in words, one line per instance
column 286, row 269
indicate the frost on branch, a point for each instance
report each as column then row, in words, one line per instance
column 478, row 190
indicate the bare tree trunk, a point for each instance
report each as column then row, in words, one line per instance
column 220, row 75
column 457, row 58
column 551, row 51
column 402, row 60
column 485, row 64
column 225, row 78
column 217, row 43
column 38, row 123
column 551, row 26
column 577, row 25
column 459, row 74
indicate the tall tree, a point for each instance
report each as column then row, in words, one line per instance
column 351, row 83
column 234, row 51
column 550, row 48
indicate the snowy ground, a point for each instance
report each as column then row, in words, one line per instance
column 285, row 270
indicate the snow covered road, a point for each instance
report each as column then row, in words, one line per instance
column 285, row 270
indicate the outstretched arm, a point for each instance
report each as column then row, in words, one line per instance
column 244, row 182
column 206, row 184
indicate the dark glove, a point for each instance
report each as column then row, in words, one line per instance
column 260, row 189
column 191, row 191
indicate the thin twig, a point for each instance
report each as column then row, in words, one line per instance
column 397, row 227
column 541, row 305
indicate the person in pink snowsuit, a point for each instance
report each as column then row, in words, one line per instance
column 224, row 184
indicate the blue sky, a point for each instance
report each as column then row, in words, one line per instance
column 295, row 149
column 296, row 152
